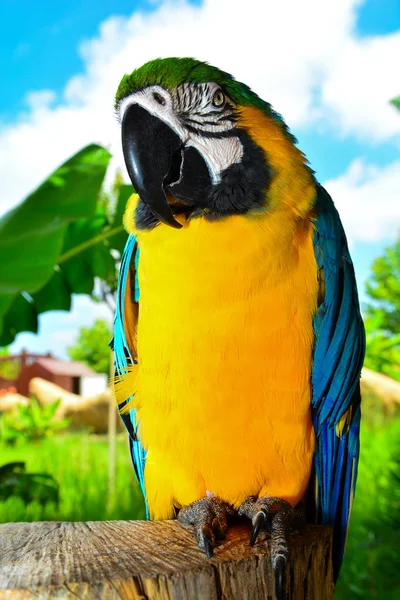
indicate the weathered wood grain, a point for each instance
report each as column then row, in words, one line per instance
column 152, row 560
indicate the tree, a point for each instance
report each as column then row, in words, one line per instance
column 92, row 348
column 383, row 314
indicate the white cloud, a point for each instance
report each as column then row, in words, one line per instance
column 303, row 57
column 362, row 80
column 41, row 101
column 368, row 200
column 62, row 339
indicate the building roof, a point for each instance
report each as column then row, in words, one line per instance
column 65, row 367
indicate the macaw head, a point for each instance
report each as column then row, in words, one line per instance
column 197, row 141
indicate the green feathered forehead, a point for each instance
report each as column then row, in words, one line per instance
column 171, row 72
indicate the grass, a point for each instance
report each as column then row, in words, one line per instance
column 79, row 463
column 372, row 557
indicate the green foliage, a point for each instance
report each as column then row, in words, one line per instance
column 30, row 487
column 30, row 422
column 384, row 287
column 383, row 349
column 92, row 348
column 79, row 462
column 9, row 369
column 396, row 102
column 32, row 234
column 57, row 241
column 382, row 320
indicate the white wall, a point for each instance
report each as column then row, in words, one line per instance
column 93, row 384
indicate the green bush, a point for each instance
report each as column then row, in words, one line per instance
column 382, row 313
column 30, row 422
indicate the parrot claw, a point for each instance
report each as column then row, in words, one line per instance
column 209, row 518
column 258, row 523
column 277, row 515
column 207, row 542
column 279, row 572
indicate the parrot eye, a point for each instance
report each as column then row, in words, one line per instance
column 158, row 98
column 218, row 99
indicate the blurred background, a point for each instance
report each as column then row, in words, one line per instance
column 332, row 69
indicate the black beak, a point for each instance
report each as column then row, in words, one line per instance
column 149, row 147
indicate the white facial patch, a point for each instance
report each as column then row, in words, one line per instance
column 218, row 153
column 151, row 98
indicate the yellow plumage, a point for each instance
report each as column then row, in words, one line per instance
column 224, row 342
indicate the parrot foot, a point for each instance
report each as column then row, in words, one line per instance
column 209, row 518
column 277, row 516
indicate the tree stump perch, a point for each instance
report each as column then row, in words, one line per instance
column 153, row 560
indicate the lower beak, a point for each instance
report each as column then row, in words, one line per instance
column 149, row 146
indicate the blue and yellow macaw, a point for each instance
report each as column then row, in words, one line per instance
column 238, row 337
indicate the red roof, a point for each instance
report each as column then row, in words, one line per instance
column 65, row 367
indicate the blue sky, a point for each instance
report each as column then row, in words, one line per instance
column 60, row 58
column 40, row 49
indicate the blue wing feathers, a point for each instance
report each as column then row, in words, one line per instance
column 137, row 290
column 123, row 356
column 337, row 361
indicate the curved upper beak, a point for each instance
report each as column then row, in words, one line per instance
column 149, row 145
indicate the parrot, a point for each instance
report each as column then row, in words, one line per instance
column 238, row 339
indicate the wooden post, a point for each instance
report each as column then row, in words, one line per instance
column 153, row 560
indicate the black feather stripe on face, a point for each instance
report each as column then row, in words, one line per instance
column 193, row 105
column 211, row 134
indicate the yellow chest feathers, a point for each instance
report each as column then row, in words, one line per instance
column 224, row 301
column 224, row 342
